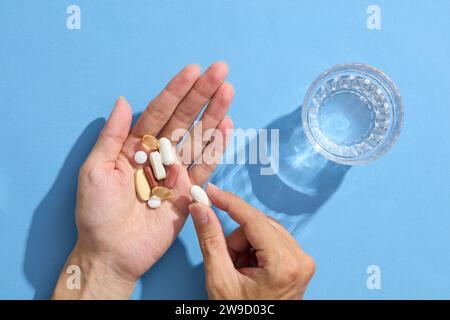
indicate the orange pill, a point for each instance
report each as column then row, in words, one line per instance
column 162, row 192
column 150, row 177
column 150, row 142
column 142, row 186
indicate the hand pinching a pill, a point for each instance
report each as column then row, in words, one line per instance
column 257, row 260
column 133, row 191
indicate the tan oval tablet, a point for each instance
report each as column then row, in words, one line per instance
column 143, row 190
column 162, row 192
column 150, row 142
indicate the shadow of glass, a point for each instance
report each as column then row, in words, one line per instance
column 304, row 181
column 52, row 234
column 173, row 277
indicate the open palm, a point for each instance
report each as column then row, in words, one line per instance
column 113, row 224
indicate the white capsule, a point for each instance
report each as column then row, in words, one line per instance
column 157, row 166
column 154, row 202
column 140, row 157
column 167, row 152
column 199, row 195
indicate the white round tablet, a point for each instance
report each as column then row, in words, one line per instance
column 140, row 157
column 154, row 202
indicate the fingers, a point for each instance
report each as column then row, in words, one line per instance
column 212, row 153
column 160, row 109
column 274, row 223
column 212, row 241
column 200, row 135
column 113, row 134
column 238, row 247
column 261, row 235
column 189, row 108
column 237, row 241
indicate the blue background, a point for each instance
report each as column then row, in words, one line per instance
column 57, row 85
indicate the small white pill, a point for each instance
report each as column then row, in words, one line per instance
column 199, row 195
column 140, row 157
column 154, row 202
column 157, row 166
column 167, row 152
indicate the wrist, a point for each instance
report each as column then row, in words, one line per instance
column 86, row 276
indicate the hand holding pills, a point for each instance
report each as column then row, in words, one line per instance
column 134, row 196
column 258, row 260
column 133, row 193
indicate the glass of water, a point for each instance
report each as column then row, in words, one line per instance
column 352, row 114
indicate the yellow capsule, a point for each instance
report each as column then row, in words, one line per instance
column 162, row 192
column 142, row 187
column 150, row 142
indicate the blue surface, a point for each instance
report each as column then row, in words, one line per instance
column 56, row 85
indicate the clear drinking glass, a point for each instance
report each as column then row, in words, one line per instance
column 352, row 114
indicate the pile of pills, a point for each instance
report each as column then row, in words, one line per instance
column 160, row 155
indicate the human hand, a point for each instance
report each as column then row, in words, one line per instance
column 120, row 237
column 258, row 260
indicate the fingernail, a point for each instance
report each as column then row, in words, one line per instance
column 121, row 98
column 199, row 214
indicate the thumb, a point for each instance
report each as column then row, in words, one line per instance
column 114, row 133
column 218, row 264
